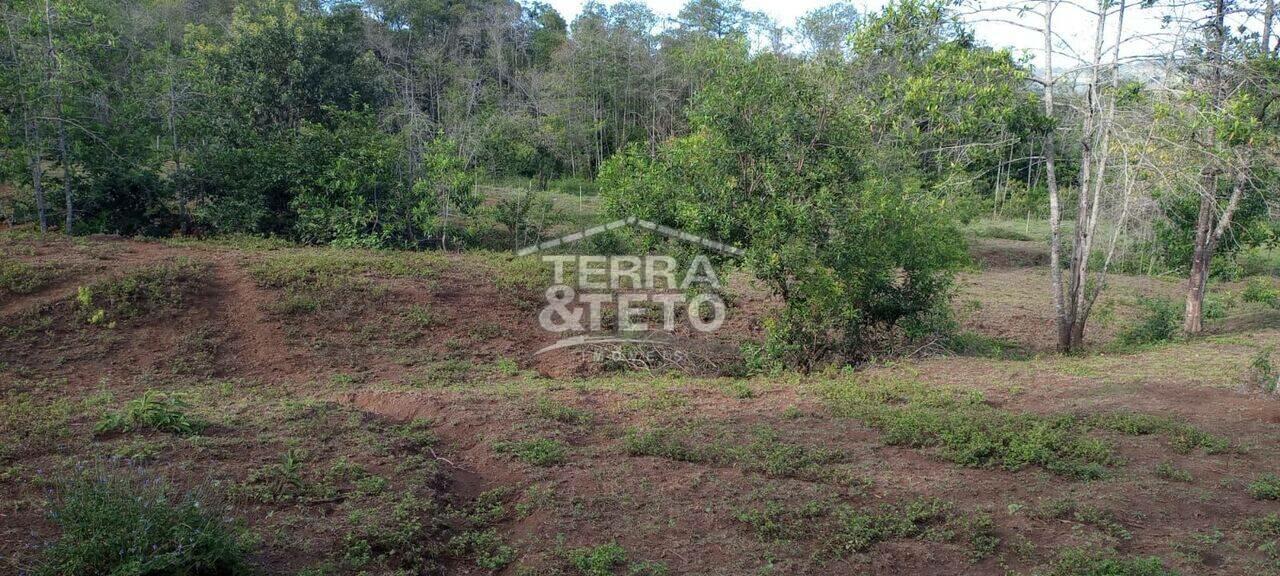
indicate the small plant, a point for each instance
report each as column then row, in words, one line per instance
column 1263, row 374
column 598, row 560
column 537, row 451
column 20, row 278
column 1160, row 322
column 485, row 546
column 1266, row 487
column 116, row 523
column 154, row 410
column 562, row 413
column 1168, row 471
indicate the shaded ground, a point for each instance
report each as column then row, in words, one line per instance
column 379, row 411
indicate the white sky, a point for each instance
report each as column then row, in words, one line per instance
column 1073, row 24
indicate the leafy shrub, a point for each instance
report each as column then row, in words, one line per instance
column 1261, row 291
column 154, row 410
column 122, row 524
column 1266, row 487
column 538, row 451
column 1160, row 322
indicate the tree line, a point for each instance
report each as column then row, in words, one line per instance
column 842, row 152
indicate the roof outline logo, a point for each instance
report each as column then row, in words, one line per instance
column 631, row 221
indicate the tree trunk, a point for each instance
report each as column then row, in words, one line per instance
column 1051, row 181
column 37, row 172
column 1193, row 321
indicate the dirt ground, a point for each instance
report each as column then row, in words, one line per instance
column 417, row 372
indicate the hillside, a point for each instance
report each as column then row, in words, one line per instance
column 370, row 412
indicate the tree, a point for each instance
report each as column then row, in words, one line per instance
column 859, row 255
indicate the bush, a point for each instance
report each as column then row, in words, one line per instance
column 1160, row 322
column 1261, row 291
column 124, row 524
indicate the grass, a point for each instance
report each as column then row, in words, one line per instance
column 555, row 411
column 1182, row 436
column 860, row 529
column 962, row 428
column 339, row 281
column 766, row 453
column 145, row 292
column 155, row 411
column 122, row 523
column 535, row 452
column 1168, row 471
column 775, row 520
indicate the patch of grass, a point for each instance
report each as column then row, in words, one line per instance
column 123, row 524
column 486, row 547
column 28, row 424
column 1068, row 509
column 962, row 428
column 1265, row 487
column 776, row 521
column 536, row 451
column 149, row 290
column 17, row 277
column 663, row 443
column 153, row 410
column 1264, row 533
column 1002, row 234
column 1086, row 562
column 279, row 482
column 400, row 531
column 860, row 529
column 555, row 411
column 598, row 560
column 196, row 353
column 1182, row 436
column 768, row 454
column 1168, row 471
column 983, row 346
column 1161, row 321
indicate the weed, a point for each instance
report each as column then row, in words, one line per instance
column 1264, row 532
column 1160, row 322
column 1068, row 509
column 1085, row 562
column 537, row 451
column 154, row 410
column 485, row 546
column 769, row 455
column 146, row 291
column 741, row 390
column 776, row 521
column 663, row 443
column 558, row 412
column 966, row 430
column 18, row 277
column 1265, row 487
column 1168, row 471
column 405, row 537
column 535, row 497
column 1183, row 436
column 125, row 524
column 1263, row 374
column 279, row 482
column 860, row 529
column 598, row 560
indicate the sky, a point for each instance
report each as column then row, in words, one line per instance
column 1076, row 26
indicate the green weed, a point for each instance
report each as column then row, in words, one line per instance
column 537, row 451
column 153, row 410
column 1085, row 562
column 1265, row 487
column 555, row 411
column 122, row 524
